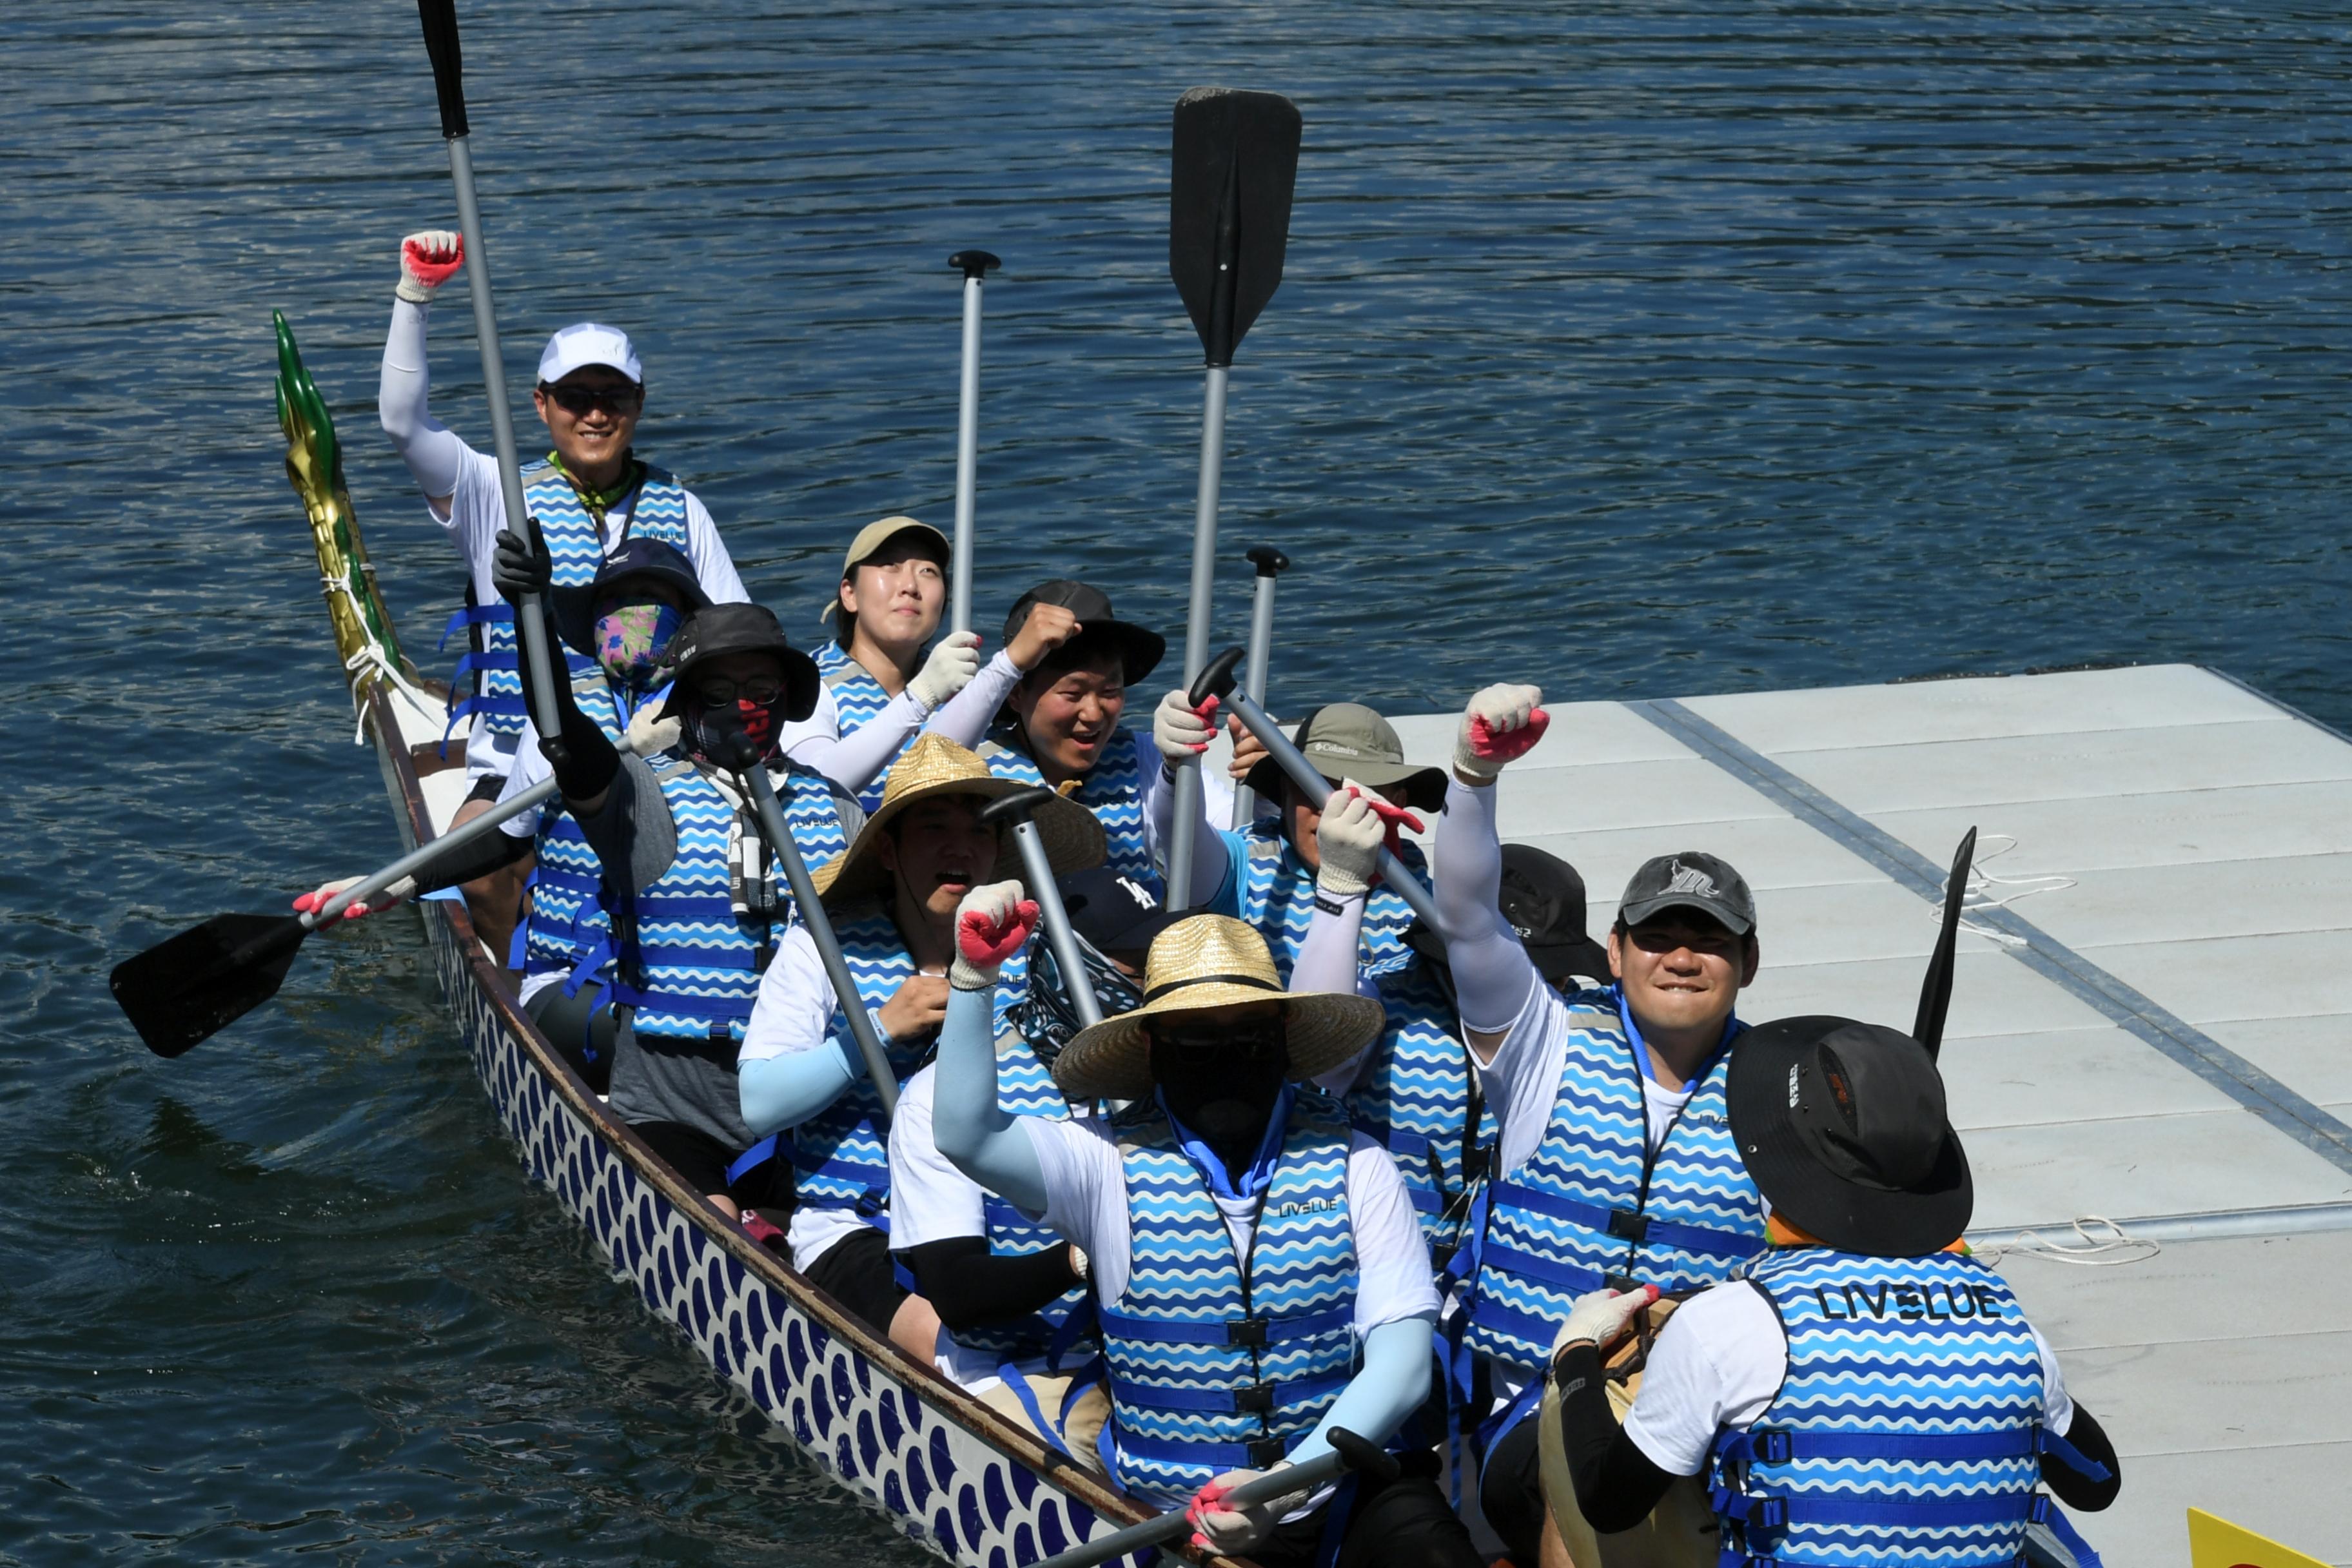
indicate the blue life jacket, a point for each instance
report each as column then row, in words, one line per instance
column 1277, row 896
column 569, row 932
column 1025, row 1087
column 575, row 546
column 1417, row 1097
column 1112, row 789
column 1217, row 1363
column 858, row 701
column 1909, row 1428
column 1594, row 1206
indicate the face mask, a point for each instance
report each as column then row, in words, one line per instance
column 737, row 734
column 1223, row 1094
column 630, row 639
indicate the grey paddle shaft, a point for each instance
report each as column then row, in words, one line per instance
column 1324, row 1467
column 1302, row 772
column 1270, row 563
column 974, row 265
column 772, row 829
column 1040, row 872
column 1196, row 628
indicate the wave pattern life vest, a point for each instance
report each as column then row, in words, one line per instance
column 1909, row 1429
column 569, row 931
column 1025, row 1087
column 1112, row 789
column 1218, row 1363
column 1277, row 896
column 656, row 509
column 857, row 700
column 1417, row 1097
column 1592, row 1207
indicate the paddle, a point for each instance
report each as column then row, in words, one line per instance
column 440, row 19
column 187, row 988
column 1349, row 1452
column 1019, row 808
column 974, row 265
column 1270, row 563
column 1936, row 991
column 1217, row 680
column 770, row 814
column 1231, row 171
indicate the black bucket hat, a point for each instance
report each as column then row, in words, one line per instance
column 1140, row 650
column 1541, row 898
column 1844, row 1128
column 717, row 630
column 637, row 560
column 1349, row 740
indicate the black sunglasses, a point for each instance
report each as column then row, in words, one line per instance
column 578, row 400
column 717, row 688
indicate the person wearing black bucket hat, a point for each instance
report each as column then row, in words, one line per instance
column 1614, row 1163
column 1060, row 723
column 1869, row 1389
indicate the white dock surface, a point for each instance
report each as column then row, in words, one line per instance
column 2157, row 1029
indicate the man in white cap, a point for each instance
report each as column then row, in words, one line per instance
column 590, row 496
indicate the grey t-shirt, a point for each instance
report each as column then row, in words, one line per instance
column 690, row 1082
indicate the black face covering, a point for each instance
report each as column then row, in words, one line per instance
column 1222, row 1083
column 737, row 734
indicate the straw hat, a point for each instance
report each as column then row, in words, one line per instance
column 935, row 765
column 1211, row 960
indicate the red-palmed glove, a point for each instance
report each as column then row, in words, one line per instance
column 1181, row 730
column 992, row 924
column 1347, row 842
column 399, row 893
column 428, row 258
column 1501, row 724
column 1233, row 1532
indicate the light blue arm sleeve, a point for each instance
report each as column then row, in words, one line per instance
column 978, row 1135
column 786, row 1091
column 1491, row 973
column 1391, row 1386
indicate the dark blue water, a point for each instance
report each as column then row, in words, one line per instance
column 1636, row 348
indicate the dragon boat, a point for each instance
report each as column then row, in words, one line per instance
column 951, row 1473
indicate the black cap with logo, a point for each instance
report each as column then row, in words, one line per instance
column 1138, row 649
column 1691, row 880
column 717, row 630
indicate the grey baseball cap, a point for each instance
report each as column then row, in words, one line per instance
column 1690, row 879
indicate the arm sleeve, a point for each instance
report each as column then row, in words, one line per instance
column 783, row 1092
column 853, row 761
column 483, row 855
column 1617, row 1485
column 983, row 1139
column 1392, row 1383
column 968, row 1286
column 1491, row 973
column 433, row 454
column 2073, row 1488
column 712, row 565
column 1328, row 954
column 965, row 717
column 1212, row 857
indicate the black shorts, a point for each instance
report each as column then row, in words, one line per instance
column 489, row 786
column 1511, row 1488
column 1408, row 1523
column 702, row 1161
column 857, row 1271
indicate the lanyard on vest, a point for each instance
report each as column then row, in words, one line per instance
column 1640, row 1048
column 1261, row 1166
column 597, row 506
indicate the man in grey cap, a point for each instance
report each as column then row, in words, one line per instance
column 1615, row 1167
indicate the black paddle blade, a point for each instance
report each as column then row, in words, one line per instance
column 189, row 988
column 1235, row 160
column 440, row 19
column 1936, row 991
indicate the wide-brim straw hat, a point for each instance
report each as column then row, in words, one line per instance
column 1203, row 961
column 935, row 765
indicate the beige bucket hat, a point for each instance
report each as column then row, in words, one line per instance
column 869, row 543
column 1211, row 960
column 935, row 765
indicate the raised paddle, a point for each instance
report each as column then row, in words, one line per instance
column 1347, row 1452
column 1217, row 680
column 1020, row 808
column 440, row 19
column 187, row 988
column 1936, row 991
column 770, row 814
column 1234, row 163
column 974, row 265
column 1270, row 563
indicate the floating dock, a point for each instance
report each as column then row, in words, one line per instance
column 2151, row 1020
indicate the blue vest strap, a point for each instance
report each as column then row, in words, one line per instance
column 1233, row 1331
column 1626, row 1225
column 500, row 614
column 1774, row 1447
column 1764, row 1515
column 751, row 1159
column 1258, row 1399
column 2073, row 1458
column 1257, row 1456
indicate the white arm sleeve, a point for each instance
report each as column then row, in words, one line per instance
column 853, row 761
column 433, row 454
column 965, row 717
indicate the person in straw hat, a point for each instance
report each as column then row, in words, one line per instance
column 1869, row 1392
column 1614, row 1164
column 881, row 686
column 804, row 1093
column 1258, row 1275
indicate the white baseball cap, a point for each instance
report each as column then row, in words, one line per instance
column 586, row 343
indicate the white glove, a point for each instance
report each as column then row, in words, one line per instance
column 1600, row 1316
column 1181, row 731
column 399, row 893
column 1501, row 724
column 1349, row 838
column 428, row 258
column 649, row 736
column 1229, row 1531
column 992, row 924
column 954, row 660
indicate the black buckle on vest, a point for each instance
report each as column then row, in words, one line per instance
column 1247, row 1331
column 1267, row 1452
column 1255, row 1400
column 721, row 1030
column 1621, row 1283
column 1774, row 1447
column 1627, row 1225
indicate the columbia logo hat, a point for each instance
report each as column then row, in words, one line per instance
column 1690, row 880
column 585, row 343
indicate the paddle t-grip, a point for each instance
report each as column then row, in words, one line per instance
column 1269, row 562
column 1217, row 678
column 1016, row 811
column 440, row 19
column 974, row 263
